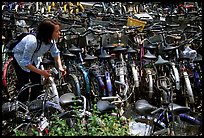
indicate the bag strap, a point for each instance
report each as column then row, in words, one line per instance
column 39, row 43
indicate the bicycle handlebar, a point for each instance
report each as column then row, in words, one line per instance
column 190, row 40
column 157, row 110
column 97, row 30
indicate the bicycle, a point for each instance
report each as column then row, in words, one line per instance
column 168, row 120
column 16, row 114
column 48, row 106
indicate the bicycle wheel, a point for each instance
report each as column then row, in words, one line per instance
column 197, row 90
column 4, row 95
column 134, row 90
column 133, row 83
column 147, row 86
column 9, row 78
column 96, row 90
column 187, row 93
column 27, row 129
column 84, row 82
column 4, row 55
column 70, row 84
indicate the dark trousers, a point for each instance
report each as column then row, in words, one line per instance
column 24, row 78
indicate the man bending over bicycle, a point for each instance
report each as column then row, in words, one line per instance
column 28, row 52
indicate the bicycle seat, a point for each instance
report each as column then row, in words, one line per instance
column 169, row 47
column 150, row 47
column 143, row 107
column 104, row 55
column 68, row 54
column 119, row 49
column 74, row 49
column 104, row 106
column 47, row 62
column 150, row 56
column 183, row 57
column 178, row 109
column 160, row 61
column 89, row 57
column 109, row 46
column 131, row 50
column 67, row 98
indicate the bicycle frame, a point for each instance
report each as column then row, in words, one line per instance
column 54, row 90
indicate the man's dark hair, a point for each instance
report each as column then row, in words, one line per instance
column 46, row 29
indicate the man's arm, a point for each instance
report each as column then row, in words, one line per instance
column 59, row 63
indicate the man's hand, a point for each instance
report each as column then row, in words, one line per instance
column 63, row 71
column 46, row 73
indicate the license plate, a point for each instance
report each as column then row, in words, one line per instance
column 43, row 124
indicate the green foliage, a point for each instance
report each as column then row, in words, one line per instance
column 96, row 125
column 106, row 125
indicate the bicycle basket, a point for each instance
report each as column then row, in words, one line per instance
column 96, row 69
column 35, row 105
column 10, row 109
column 120, row 68
column 134, row 22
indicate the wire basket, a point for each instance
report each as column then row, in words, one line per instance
column 134, row 22
column 96, row 69
column 120, row 68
